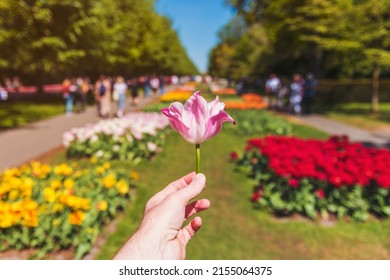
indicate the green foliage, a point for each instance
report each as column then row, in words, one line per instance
column 50, row 39
column 321, row 36
column 260, row 122
column 21, row 113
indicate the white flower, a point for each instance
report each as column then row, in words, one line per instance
column 152, row 147
column 94, row 138
column 115, row 148
column 99, row 153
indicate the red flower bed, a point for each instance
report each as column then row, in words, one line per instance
column 314, row 177
column 336, row 160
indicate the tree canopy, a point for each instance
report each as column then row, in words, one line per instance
column 50, row 39
column 331, row 38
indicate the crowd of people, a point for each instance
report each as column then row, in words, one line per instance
column 296, row 98
column 108, row 90
column 9, row 86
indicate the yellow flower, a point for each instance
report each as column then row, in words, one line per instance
column 55, row 184
column 57, row 207
column 63, row 169
column 93, row 160
column 68, row 183
column 134, row 175
column 6, row 221
column 30, row 218
column 122, row 187
column 77, row 217
column 109, row 181
column 78, row 174
column 56, row 222
column 100, row 170
column 30, row 205
column 106, row 165
column 49, row 194
column 102, row 205
column 13, row 195
column 27, row 182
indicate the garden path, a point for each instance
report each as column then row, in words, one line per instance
column 31, row 141
column 377, row 138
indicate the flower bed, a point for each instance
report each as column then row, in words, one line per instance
column 224, row 91
column 250, row 101
column 313, row 176
column 177, row 95
column 261, row 122
column 134, row 137
column 56, row 207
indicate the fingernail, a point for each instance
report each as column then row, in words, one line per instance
column 200, row 177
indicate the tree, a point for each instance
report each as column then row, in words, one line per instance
column 43, row 40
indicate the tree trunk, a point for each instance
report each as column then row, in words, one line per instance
column 375, row 89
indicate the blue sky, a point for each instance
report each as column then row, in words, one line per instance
column 197, row 23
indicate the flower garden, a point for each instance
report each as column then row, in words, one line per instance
column 115, row 166
column 314, row 177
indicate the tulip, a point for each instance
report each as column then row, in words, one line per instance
column 197, row 121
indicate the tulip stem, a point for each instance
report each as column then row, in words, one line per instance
column 197, row 149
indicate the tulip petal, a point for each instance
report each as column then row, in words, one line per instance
column 176, row 122
column 214, row 124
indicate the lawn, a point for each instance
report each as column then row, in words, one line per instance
column 359, row 114
column 14, row 114
column 232, row 228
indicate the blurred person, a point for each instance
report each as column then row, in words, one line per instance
column 8, row 85
column 3, row 93
column 85, row 87
column 79, row 103
column 99, row 91
column 161, row 234
column 103, row 93
column 161, row 79
column 154, row 85
column 146, row 86
column 134, row 84
column 119, row 95
column 310, row 87
column 296, row 94
column 66, row 84
column 272, row 87
column 16, row 84
column 175, row 80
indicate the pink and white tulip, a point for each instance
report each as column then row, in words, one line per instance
column 197, row 120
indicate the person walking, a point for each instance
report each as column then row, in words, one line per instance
column 66, row 85
column 272, row 87
column 296, row 95
column 310, row 87
column 119, row 95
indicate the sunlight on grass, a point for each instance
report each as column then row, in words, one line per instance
column 359, row 114
column 19, row 113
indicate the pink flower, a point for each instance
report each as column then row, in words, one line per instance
column 197, row 121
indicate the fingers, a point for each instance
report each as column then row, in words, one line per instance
column 171, row 188
column 192, row 190
column 186, row 233
column 196, row 207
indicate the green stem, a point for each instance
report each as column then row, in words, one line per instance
column 197, row 149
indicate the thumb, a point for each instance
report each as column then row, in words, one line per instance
column 193, row 189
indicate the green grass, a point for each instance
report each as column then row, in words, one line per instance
column 359, row 114
column 232, row 229
column 14, row 114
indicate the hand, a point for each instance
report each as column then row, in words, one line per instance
column 161, row 234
